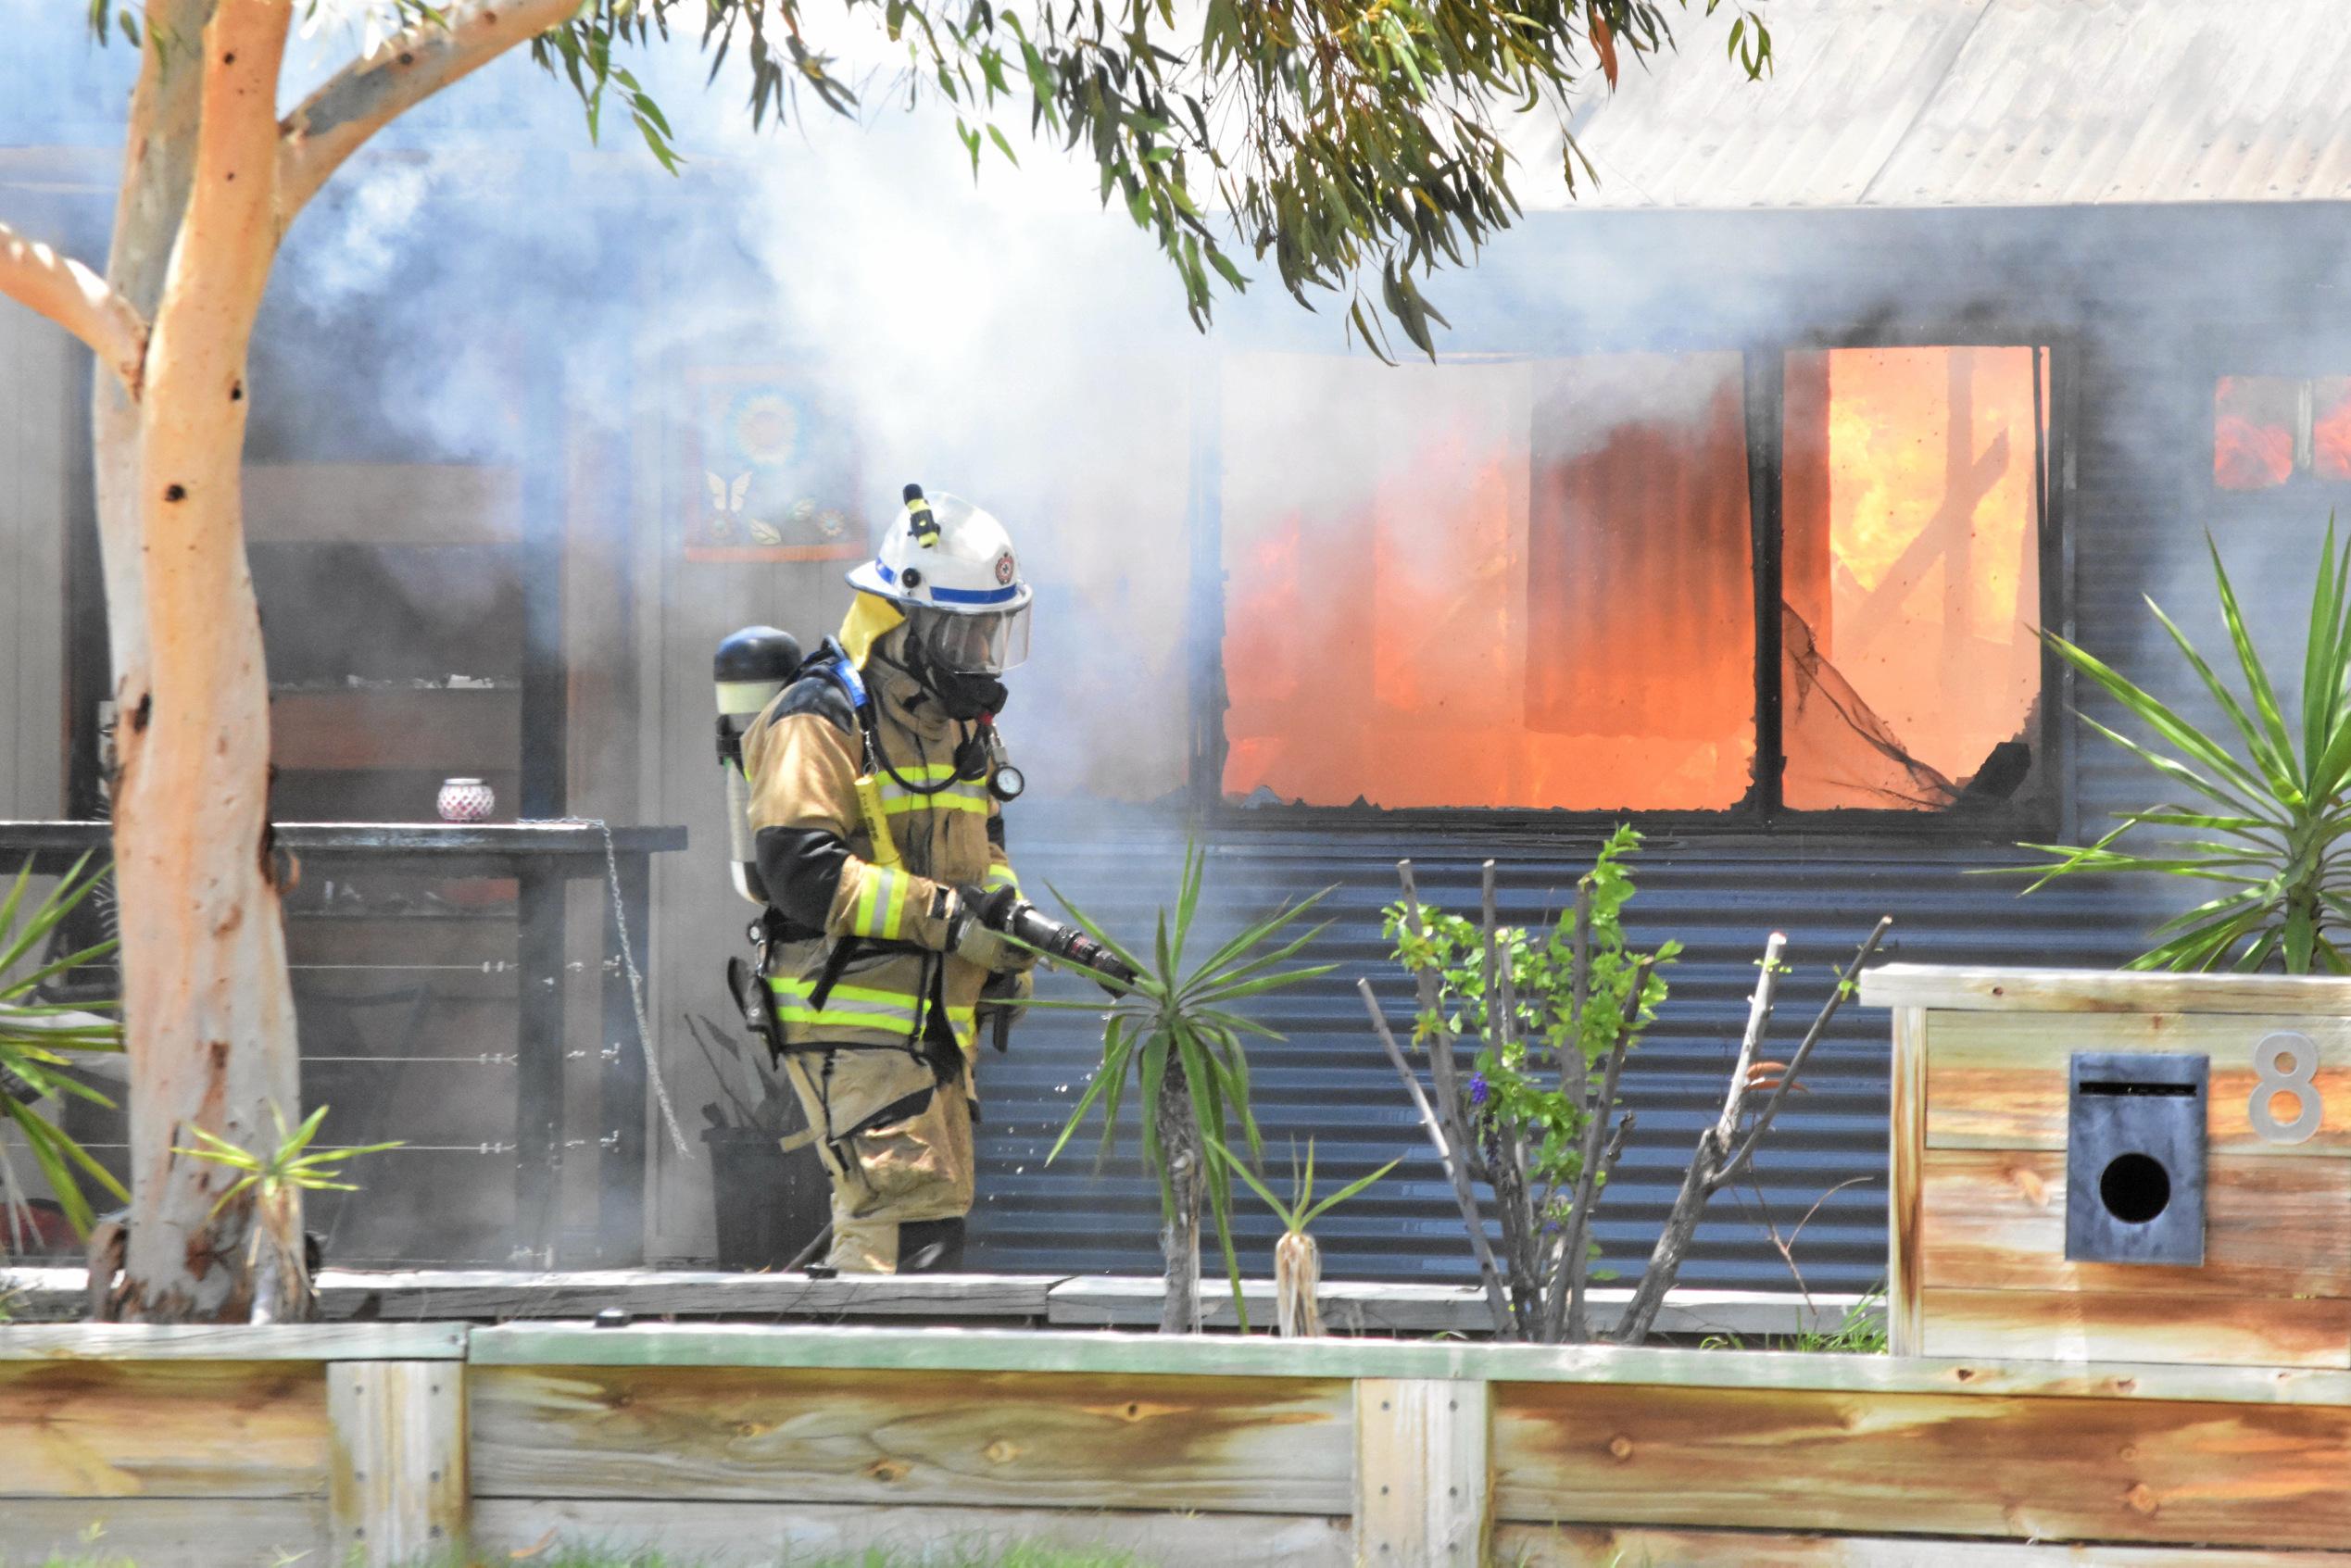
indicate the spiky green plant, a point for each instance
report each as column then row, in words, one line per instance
column 2265, row 818
column 1298, row 1260
column 281, row 1281
column 37, row 1040
column 288, row 1166
column 1176, row 1034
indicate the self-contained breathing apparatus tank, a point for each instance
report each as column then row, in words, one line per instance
column 749, row 668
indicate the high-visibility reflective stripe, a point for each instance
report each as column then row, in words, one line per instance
column 845, row 1005
column 1002, row 876
column 881, row 904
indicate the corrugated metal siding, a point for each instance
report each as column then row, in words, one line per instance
column 1984, row 103
column 1330, row 1080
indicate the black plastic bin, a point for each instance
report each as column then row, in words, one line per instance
column 770, row 1204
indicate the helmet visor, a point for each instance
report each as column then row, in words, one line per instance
column 983, row 643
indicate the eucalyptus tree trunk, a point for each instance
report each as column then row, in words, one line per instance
column 1180, row 1144
column 212, row 179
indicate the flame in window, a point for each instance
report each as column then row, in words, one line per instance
column 2253, row 427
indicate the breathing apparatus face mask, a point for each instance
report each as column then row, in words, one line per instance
column 958, row 658
column 982, row 643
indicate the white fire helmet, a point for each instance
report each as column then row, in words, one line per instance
column 949, row 568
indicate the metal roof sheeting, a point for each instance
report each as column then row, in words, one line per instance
column 1981, row 103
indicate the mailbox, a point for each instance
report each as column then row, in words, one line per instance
column 2134, row 1158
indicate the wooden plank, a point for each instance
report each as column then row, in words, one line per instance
column 2099, row 990
column 2097, row 1470
column 857, row 1347
column 194, row 1429
column 581, row 1293
column 1534, row 1546
column 489, row 1295
column 397, row 1484
column 1995, row 1220
column 231, row 1342
column 382, row 504
column 1908, row 1137
column 2144, row 1325
column 754, row 1534
column 1393, row 1307
column 1214, row 1444
column 1998, row 1081
column 1422, row 1481
column 1349, row 1307
column 163, row 1532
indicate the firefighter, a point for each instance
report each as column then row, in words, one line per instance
column 877, row 780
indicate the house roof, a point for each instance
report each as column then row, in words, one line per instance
column 1979, row 103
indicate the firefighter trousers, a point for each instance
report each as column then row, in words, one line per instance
column 902, row 1175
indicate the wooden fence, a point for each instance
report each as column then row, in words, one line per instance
column 735, row 1444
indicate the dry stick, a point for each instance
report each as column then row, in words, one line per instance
column 1454, row 1167
column 1443, row 1076
column 1573, row 1069
column 1746, row 1147
column 1698, row 1180
column 1565, row 1308
column 1521, row 1233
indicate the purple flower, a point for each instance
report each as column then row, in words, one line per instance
column 1478, row 1088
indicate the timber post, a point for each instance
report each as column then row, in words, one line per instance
column 1422, row 1483
column 398, row 1487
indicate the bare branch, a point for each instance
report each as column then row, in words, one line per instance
column 1746, row 1145
column 369, row 93
column 1698, row 1182
column 1454, row 1167
column 76, row 298
column 1565, row 1304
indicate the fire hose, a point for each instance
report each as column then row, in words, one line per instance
column 1007, row 913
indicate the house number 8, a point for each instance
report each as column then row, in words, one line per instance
column 2283, row 1064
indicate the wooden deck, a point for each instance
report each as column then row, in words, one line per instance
column 1082, row 1301
column 728, row 1443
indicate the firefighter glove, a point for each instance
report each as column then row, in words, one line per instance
column 972, row 941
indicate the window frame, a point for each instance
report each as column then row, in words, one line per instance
column 2247, row 351
column 2048, row 810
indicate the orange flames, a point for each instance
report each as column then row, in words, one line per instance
column 1912, row 554
column 2253, row 425
column 1529, row 585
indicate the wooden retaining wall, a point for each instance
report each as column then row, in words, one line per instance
column 217, row 1446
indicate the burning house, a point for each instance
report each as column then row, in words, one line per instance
column 1733, row 506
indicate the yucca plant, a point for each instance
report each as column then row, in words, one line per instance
column 1174, row 1032
column 1298, row 1260
column 2265, row 817
column 281, row 1289
column 38, row 1039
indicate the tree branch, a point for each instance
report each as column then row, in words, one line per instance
column 367, row 95
column 77, row 299
column 1456, row 1168
column 1563, row 1309
column 1705, row 1162
column 1762, row 1122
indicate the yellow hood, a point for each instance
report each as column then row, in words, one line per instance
column 871, row 617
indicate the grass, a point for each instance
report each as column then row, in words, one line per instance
column 1861, row 1332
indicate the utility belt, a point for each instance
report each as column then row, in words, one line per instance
column 869, row 993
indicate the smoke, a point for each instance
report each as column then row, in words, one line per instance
column 489, row 287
